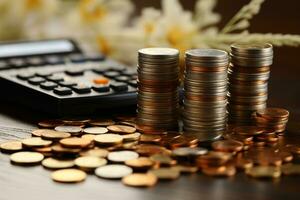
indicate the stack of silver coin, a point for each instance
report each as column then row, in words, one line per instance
column 205, row 93
column 248, row 75
column 158, row 81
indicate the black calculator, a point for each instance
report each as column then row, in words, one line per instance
column 57, row 77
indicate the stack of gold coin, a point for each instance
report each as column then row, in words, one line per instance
column 205, row 93
column 158, row 78
column 248, row 75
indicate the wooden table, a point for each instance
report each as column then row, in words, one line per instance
column 34, row 183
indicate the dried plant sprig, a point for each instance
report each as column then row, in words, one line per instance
column 204, row 15
column 240, row 21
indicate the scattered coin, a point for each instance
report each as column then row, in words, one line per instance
column 140, row 180
column 11, row 146
column 75, row 142
column 102, row 153
column 26, row 158
column 131, row 137
column 186, row 169
column 264, row 172
column 108, row 139
column 122, row 156
column 52, row 163
column 147, row 138
column 69, row 129
column 140, row 163
column 89, row 163
column 89, row 136
column 165, row 173
column 163, row 160
column 121, row 129
column 114, row 171
column 54, row 135
column 50, row 123
column 227, row 145
column 35, row 142
column 58, row 149
column 75, row 122
column 68, row 175
column 95, row 130
column 101, row 122
column 38, row 132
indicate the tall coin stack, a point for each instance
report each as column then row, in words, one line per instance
column 158, row 80
column 248, row 75
column 205, row 93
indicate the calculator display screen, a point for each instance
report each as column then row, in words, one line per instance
column 36, row 48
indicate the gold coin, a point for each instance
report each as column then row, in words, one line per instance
column 108, row 139
column 140, row 180
column 130, row 145
column 95, row 130
column 88, row 136
column 101, row 122
column 122, row 156
column 38, row 132
column 121, row 129
column 102, row 153
column 64, row 150
column 131, row 137
column 36, row 142
column 90, row 162
column 68, row 175
column 11, row 146
column 52, row 163
column 26, row 158
column 54, row 135
column 140, row 163
column 114, row 171
column 46, row 151
column 165, row 173
column 75, row 142
column 264, row 172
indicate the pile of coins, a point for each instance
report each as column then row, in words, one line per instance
column 248, row 75
column 272, row 119
column 205, row 93
column 111, row 150
column 158, row 79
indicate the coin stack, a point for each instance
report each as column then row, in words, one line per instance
column 205, row 93
column 248, row 75
column 158, row 78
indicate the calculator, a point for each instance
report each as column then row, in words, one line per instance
column 57, row 77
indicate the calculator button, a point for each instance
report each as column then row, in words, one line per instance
column 100, row 70
column 111, row 74
column 77, row 58
column 62, row 91
column 17, row 63
column 119, row 87
column 101, row 88
column 67, row 83
column 130, row 72
column 95, row 57
column 55, row 78
column 101, row 80
column 82, row 89
column 35, row 61
column 133, row 83
column 118, row 68
column 54, row 60
column 43, row 74
column 75, row 72
column 3, row 65
column 25, row 75
column 48, row 85
column 122, row 78
column 36, row 80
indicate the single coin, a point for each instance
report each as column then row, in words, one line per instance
column 35, row 142
column 248, row 130
column 163, row 159
column 69, row 129
column 219, row 171
column 149, row 149
column 114, row 171
column 75, row 122
column 122, row 156
column 50, row 123
column 130, row 145
column 131, row 137
column 54, row 135
column 121, row 129
column 102, row 153
column 89, row 136
column 95, row 130
column 150, row 138
column 75, row 142
column 140, row 180
column 140, row 163
column 264, row 172
column 52, row 163
column 273, row 113
column 38, row 132
column 90, row 162
column 165, row 173
column 46, row 151
column 64, row 150
column 11, row 146
column 26, row 158
column 108, row 139
column 128, row 123
column 101, row 122
column 186, row 169
column 227, row 145
column 68, row 175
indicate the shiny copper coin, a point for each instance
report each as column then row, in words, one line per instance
column 219, row 171
column 58, row 149
column 101, row 122
column 11, row 146
column 140, row 180
column 26, row 158
column 122, row 156
column 147, row 149
column 248, row 130
column 264, row 172
column 46, row 151
column 114, row 171
column 140, row 163
column 75, row 142
column 35, row 142
column 38, row 132
column 102, row 153
column 121, row 129
column 52, row 163
column 68, row 175
column 108, row 139
column 213, row 159
column 89, row 163
column 285, row 156
column 227, row 145
column 131, row 137
column 50, row 123
column 89, row 136
column 273, row 113
column 163, row 160
column 165, row 173
column 54, row 135
column 147, row 138
column 75, row 122
column 95, row 130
